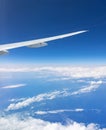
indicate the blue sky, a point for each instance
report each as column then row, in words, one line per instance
column 22, row 20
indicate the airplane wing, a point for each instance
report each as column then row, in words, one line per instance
column 35, row 43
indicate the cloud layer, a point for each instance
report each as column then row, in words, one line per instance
column 72, row 71
column 15, row 122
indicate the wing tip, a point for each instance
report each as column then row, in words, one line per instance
column 84, row 31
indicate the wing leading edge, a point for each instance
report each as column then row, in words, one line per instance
column 35, row 43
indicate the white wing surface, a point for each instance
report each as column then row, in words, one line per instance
column 35, row 43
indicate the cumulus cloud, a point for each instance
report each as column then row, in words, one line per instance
column 14, row 86
column 59, row 111
column 70, row 71
column 14, row 122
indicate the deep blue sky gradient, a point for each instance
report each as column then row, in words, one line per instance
column 22, row 20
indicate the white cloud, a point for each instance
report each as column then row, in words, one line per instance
column 79, row 110
column 93, row 86
column 14, row 86
column 17, row 99
column 59, row 79
column 59, row 111
column 38, row 98
column 15, row 122
column 49, row 96
column 65, row 110
column 69, row 72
